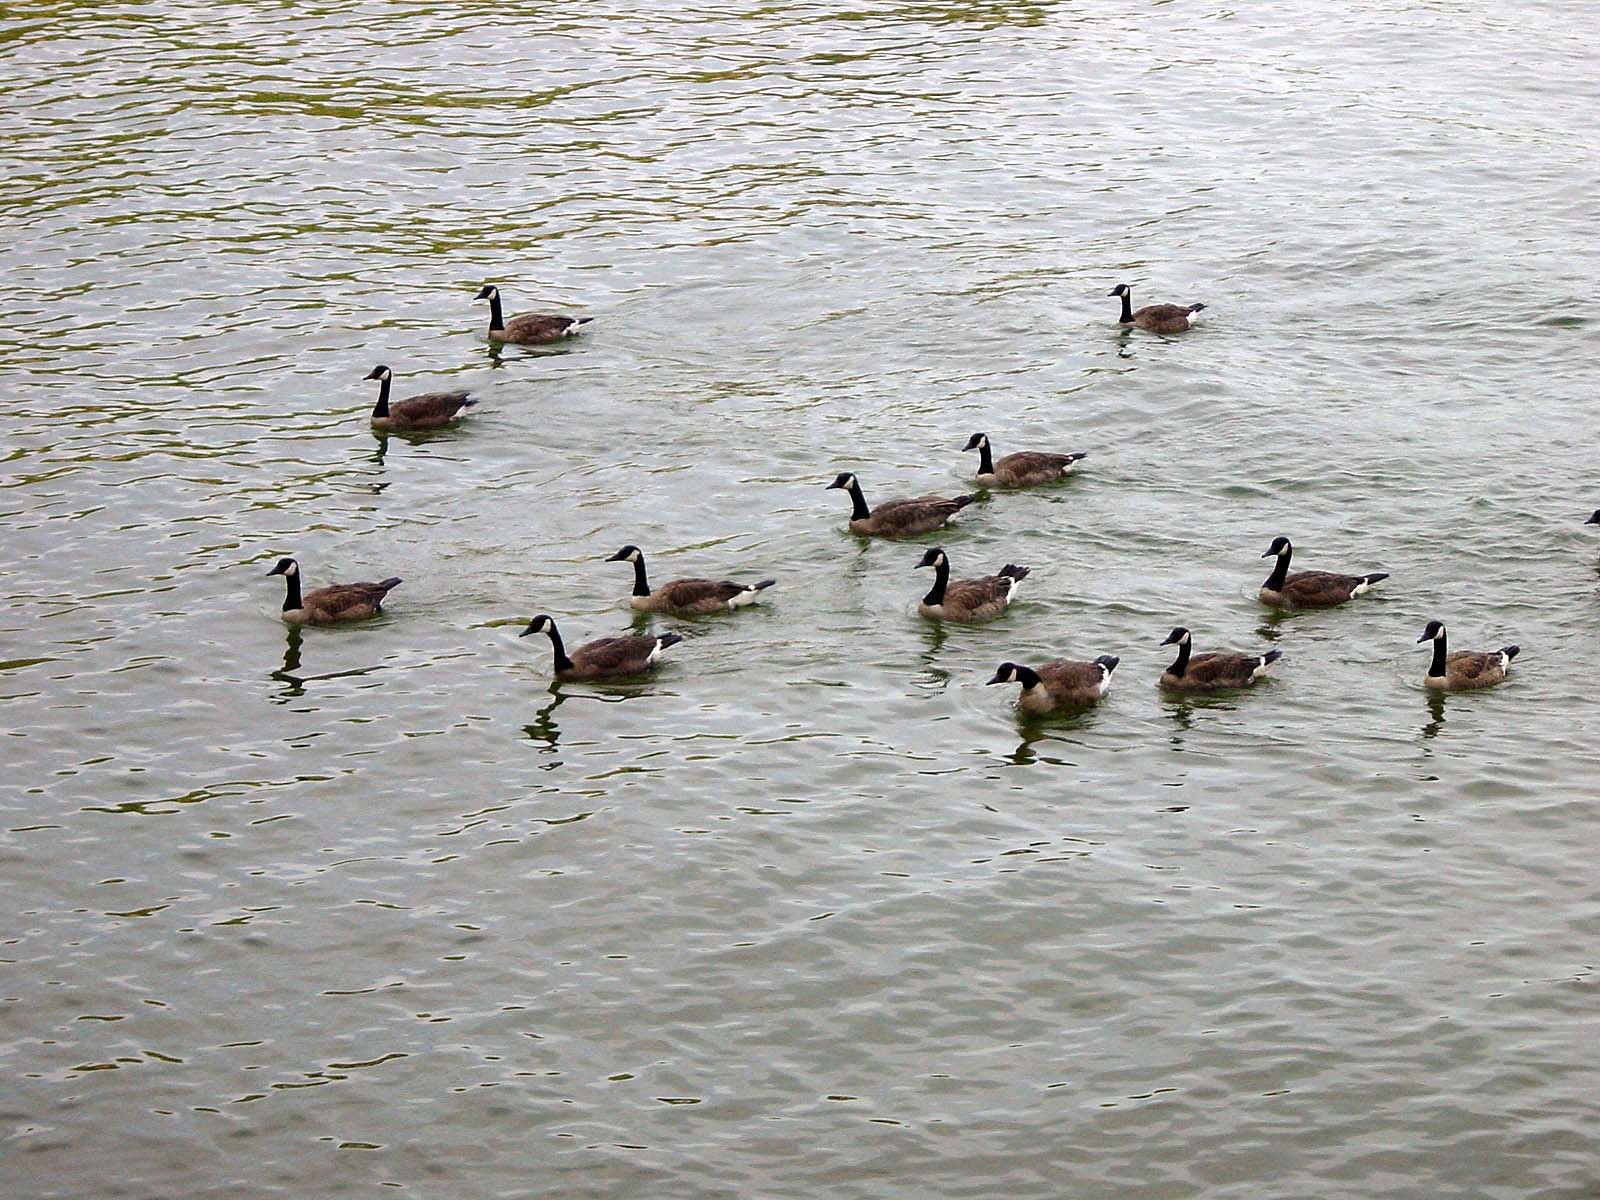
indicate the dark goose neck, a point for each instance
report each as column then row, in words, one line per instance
column 941, row 577
column 985, row 459
column 641, row 584
column 496, row 323
column 381, row 408
column 562, row 661
column 1182, row 663
column 859, row 510
column 291, row 599
column 1436, row 668
column 1127, row 306
column 1027, row 677
column 1280, row 572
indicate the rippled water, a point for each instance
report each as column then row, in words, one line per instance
column 810, row 912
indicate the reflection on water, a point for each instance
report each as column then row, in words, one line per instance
column 1436, row 704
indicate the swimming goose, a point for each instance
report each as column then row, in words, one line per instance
column 332, row 604
column 967, row 599
column 1157, row 318
column 1465, row 669
column 428, row 411
column 1059, row 684
column 897, row 518
column 1023, row 469
column 1209, row 672
column 605, row 658
column 1310, row 589
column 687, row 597
column 530, row 329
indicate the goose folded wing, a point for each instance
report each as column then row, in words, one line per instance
column 611, row 654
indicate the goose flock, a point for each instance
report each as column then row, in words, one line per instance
column 1045, row 687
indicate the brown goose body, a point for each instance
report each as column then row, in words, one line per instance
column 967, row 599
column 333, row 604
column 1155, row 318
column 1464, row 670
column 1214, row 671
column 687, row 597
column 901, row 517
column 427, row 411
column 604, row 658
column 1310, row 589
column 1025, row 468
column 529, row 329
column 1064, row 683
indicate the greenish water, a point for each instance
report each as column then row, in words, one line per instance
column 811, row 912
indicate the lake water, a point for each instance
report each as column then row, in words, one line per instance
column 810, row 912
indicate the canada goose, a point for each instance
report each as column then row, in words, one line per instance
column 967, row 599
column 1157, row 318
column 1310, row 589
column 1465, row 669
column 428, row 411
column 605, row 658
column 332, row 604
column 897, row 518
column 1059, row 684
column 530, row 329
column 1209, row 672
column 1023, row 469
column 688, row 597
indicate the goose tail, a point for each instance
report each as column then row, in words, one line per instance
column 390, row 583
column 1510, row 652
column 1013, row 571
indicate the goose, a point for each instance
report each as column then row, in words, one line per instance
column 428, row 411
column 1310, row 589
column 530, row 329
column 1465, row 669
column 1209, row 672
column 687, row 597
column 1023, row 469
column 967, row 599
column 332, row 604
column 1059, row 684
column 1594, row 520
column 1157, row 318
column 605, row 658
column 897, row 518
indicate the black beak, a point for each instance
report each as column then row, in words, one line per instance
column 1172, row 639
column 1594, row 520
column 999, row 677
column 833, row 485
column 528, row 630
column 1270, row 554
column 1424, row 638
column 1116, row 291
column 619, row 556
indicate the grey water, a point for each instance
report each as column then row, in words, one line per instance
column 810, row 911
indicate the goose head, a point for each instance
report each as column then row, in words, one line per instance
column 1009, row 672
column 933, row 558
column 487, row 292
column 1433, row 632
column 284, row 566
column 1280, row 546
column 379, row 372
column 1594, row 520
column 543, row 623
column 1121, row 289
column 627, row 554
column 844, row 480
column 976, row 442
column 1178, row 637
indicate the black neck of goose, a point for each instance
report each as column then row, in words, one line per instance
column 1127, row 306
column 1182, row 663
column 1436, row 668
column 562, row 661
column 381, row 408
column 641, row 585
column 859, row 510
column 1027, row 677
column 985, row 459
column 496, row 322
column 291, row 599
column 941, row 577
column 1280, row 572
